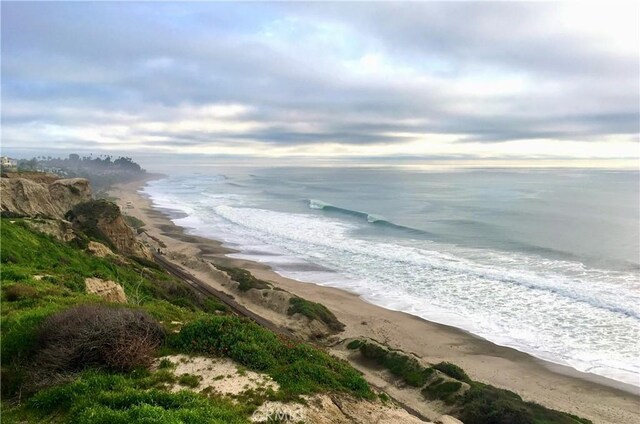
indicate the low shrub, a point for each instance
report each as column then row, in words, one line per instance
column 452, row 371
column 113, row 338
column 246, row 280
column 314, row 311
column 442, row 390
column 19, row 291
column 488, row 405
column 401, row 365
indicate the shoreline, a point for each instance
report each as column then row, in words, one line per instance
column 557, row 386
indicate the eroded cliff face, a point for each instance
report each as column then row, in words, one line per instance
column 39, row 195
column 102, row 220
column 25, row 197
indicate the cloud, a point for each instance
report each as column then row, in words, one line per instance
column 294, row 78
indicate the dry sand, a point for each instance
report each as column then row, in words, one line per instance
column 586, row 395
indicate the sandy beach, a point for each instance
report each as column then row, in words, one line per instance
column 589, row 396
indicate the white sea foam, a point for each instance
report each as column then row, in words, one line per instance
column 557, row 310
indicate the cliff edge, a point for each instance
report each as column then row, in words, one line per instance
column 26, row 197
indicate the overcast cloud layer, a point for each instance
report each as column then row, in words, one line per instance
column 501, row 80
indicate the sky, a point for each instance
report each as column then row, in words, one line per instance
column 363, row 81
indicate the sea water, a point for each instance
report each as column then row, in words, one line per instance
column 544, row 261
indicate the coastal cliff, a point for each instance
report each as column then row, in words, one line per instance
column 102, row 220
column 64, row 208
column 37, row 198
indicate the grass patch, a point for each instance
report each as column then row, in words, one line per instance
column 246, row 280
column 97, row 398
column 166, row 364
column 189, row 380
column 314, row 311
column 298, row 368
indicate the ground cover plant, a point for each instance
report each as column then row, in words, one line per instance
column 314, row 311
column 297, row 367
column 480, row 404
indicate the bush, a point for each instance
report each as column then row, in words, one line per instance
column 244, row 277
column 441, row 390
column 488, row 405
column 314, row 311
column 20, row 291
column 452, row 371
column 404, row 366
column 115, row 338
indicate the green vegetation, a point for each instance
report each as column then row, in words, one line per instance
column 297, row 367
column 102, row 170
column 440, row 389
column 480, row 404
column 71, row 357
column 401, row 365
column 87, row 215
column 313, row 310
column 18, row 291
column 452, row 371
column 483, row 403
column 42, row 276
column 244, row 277
column 166, row 364
column 189, row 380
column 103, row 398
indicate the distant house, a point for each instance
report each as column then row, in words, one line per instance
column 8, row 163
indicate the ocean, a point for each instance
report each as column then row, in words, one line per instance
column 543, row 261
